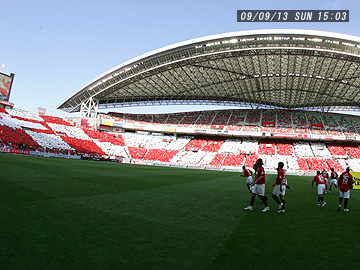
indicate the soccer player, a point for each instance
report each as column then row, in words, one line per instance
column 333, row 177
column 326, row 175
column 248, row 175
column 345, row 184
column 280, row 187
column 321, row 187
column 258, row 186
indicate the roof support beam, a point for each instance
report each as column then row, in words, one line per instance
column 89, row 108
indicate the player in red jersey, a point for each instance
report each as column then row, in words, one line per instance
column 345, row 184
column 248, row 175
column 321, row 187
column 258, row 186
column 333, row 177
column 280, row 187
column 326, row 175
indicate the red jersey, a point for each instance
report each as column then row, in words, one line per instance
column 260, row 172
column 247, row 173
column 345, row 182
column 281, row 178
column 334, row 175
column 325, row 174
column 319, row 179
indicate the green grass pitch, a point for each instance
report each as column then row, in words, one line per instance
column 66, row 214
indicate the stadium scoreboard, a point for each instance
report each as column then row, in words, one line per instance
column 6, row 82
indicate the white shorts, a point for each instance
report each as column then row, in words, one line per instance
column 277, row 191
column 249, row 180
column 321, row 189
column 333, row 182
column 345, row 195
column 258, row 189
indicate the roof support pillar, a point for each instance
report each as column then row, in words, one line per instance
column 89, row 108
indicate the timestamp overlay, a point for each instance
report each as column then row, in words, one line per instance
column 293, row 15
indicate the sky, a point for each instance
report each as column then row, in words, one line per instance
column 56, row 47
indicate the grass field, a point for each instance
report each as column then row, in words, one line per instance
column 66, row 214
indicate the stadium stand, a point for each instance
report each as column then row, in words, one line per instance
column 250, row 160
column 253, row 117
column 317, row 164
column 292, row 163
column 284, row 120
column 249, row 147
column 207, row 158
column 218, row 159
column 284, row 148
column 213, row 145
column 25, row 114
column 111, row 149
column 353, row 151
column 234, row 160
column 17, row 137
column 84, row 146
column 178, row 143
column 336, row 150
column 69, row 131
column 136, row 153
column 303, row 165
column 266, row 148
column 49, row 141
column 196, row 144
column 55, row 120
column 353, row 164
column 193, row 157
column 22, row 129
column 320, row 150
column 303, row 149
column 233, row 145
column 334, row 163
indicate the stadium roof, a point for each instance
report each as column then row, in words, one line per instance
column 292, row 69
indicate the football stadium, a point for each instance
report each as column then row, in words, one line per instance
column 111, row 190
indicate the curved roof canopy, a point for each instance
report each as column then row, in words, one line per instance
column 295, row 69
